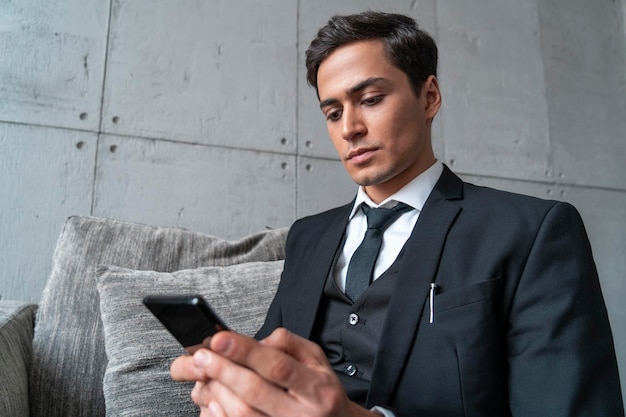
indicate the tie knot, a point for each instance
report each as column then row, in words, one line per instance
column 381, row 218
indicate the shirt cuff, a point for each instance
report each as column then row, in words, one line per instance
column 382, row 411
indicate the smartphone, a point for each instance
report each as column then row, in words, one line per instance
column 187, row 317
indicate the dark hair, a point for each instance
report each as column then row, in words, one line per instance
column 407, row 47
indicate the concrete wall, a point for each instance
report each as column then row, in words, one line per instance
column 197, row 114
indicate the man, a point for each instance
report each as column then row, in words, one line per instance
column 480, row 303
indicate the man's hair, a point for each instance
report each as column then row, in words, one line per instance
column 407, row 47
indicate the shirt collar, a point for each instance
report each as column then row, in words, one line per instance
column 414, row 193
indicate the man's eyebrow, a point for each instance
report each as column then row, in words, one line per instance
column 327, row 102
column 366, row 83
column 360, row 86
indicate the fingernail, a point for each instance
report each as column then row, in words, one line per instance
column 214, row 408
column 201, row 358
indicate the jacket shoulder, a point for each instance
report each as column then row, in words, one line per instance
column 507, row 201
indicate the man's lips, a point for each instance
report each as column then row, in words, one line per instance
column 360, row 154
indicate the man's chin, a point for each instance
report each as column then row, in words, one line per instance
column 369, row 180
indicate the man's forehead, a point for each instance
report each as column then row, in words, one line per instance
column 351, row 66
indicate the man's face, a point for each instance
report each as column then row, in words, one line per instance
column 379, row 127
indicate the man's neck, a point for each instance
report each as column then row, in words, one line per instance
column 380, row 192
column 415, row 193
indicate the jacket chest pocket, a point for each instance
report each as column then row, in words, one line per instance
column 467, row 318
column 462, row 351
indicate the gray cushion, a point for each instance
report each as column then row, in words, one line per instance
column 16, row 335
column 140, row 350
column 69, row 358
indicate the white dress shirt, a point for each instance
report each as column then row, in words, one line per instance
column 395, row 236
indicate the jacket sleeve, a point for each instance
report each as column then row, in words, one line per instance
column 560, row 347
column 273, row 319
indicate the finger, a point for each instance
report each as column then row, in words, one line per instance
column 272, row 381
column 184, row 369
column 213, row 410
column 296, row 346
column 202, row 395
column 216, row 410
column 258, row 372
column 276, row 365
column 226, row 403
column 206, row 412
column 238, row 390
column 209, row 407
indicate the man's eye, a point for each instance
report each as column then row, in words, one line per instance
column 333, row 115
column 370, row 101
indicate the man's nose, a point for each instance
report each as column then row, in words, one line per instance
column 353, row 125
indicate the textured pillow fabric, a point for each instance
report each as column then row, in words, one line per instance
column 16, row 336
column 140, row 350
column 69, row 359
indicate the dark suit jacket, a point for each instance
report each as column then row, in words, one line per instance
column 520, row 324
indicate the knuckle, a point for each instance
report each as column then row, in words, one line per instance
column 196, row 392
column 281, row 335
column 281, row 369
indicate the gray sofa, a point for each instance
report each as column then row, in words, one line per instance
column 90, row 348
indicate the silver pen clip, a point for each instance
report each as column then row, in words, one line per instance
column 433, row 288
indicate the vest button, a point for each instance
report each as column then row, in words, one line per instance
column 353, row 319
column 351, row 369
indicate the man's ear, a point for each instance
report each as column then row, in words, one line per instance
column 433, row 96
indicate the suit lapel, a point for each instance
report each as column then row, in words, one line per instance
column 318, row 270
column 417, row 270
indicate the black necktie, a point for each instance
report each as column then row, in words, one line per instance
column 361, row 266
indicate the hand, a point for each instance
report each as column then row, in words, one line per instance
column 282, row 376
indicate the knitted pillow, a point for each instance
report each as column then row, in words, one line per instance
column 140, row 350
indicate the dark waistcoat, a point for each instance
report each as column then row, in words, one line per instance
column 349, row 333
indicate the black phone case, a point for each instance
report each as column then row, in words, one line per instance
column 187, row 317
